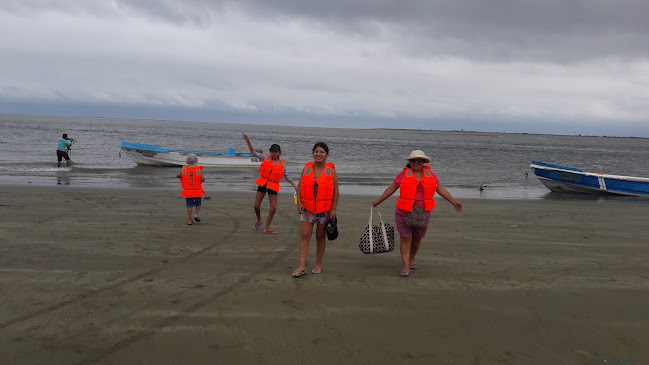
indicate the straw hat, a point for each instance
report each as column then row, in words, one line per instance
column 417, row 154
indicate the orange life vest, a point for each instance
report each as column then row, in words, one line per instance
column 408, row 189
column 270, row 175
column 192, row 182
column 323, row 200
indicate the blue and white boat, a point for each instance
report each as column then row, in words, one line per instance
column 152, row 155
column 569, row 179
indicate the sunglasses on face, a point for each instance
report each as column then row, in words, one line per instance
column 418, row 160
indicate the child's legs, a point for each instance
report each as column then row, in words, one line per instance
column 272, row 199
column 189, row 202
column 258, row 198
column 197, row 206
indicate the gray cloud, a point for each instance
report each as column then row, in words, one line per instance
column 548, row 30
column 515, row 61
column 554, row 31
column 504, row 30
column 497, row 30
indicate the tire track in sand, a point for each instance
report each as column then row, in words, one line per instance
column 235, row 226
column 270, row 260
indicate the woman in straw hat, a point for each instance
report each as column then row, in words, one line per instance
column 418, row 185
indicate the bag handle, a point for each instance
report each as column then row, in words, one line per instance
column 385, row 235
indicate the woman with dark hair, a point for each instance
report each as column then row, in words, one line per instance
column 271, row 172
column 418, row 185
column 317, row 201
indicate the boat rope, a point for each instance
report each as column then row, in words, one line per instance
column 526, row 175
column 119, row 155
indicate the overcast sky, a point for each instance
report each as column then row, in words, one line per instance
column 542, row 66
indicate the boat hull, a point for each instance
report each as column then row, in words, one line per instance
column 151, row 155
column 567, row 179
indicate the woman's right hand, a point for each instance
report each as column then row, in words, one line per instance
column 245, row 138
column 376, row 203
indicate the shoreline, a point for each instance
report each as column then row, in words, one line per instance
column 95, row 275
column 349, row 190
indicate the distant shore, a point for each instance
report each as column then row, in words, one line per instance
column 114, row 275
column 347, row 125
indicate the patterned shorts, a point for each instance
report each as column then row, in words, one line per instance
column 319, row 218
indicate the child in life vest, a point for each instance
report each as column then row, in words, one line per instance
column 191, row 179
column 271, row 171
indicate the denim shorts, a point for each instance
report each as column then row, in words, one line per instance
column 319, row 218
column 193, row 202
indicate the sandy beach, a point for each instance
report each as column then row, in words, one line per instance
column 115, row 276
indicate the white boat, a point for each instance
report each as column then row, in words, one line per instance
column 152, row 155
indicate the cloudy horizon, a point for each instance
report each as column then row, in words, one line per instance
column 558, row 67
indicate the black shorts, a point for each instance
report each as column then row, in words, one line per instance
column 263, row 189
column 60, row 155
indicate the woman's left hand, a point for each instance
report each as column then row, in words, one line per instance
column 457, row 205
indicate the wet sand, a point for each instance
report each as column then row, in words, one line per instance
column 115, row 276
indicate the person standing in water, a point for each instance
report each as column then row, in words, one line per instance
column 271, row 171
column 62, row 150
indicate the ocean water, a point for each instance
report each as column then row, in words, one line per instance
column 366, row 159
